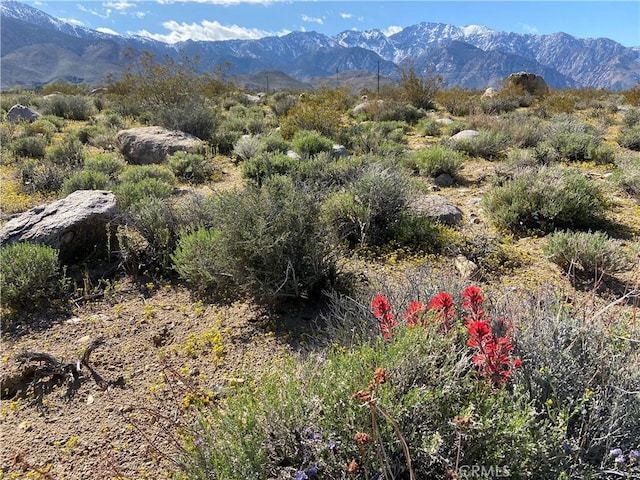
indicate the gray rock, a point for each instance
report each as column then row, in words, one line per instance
column 75, row 225
column 490, row 93
column 465, row 135
column 147, row 145
column 19, row 113
column 529, row 82
column 436, row 208
column 367, row 105
column 444, row 121
column 339, row 151
column 466, row 268
column 443, row 180
column 294, row 155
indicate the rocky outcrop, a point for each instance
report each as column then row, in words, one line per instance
column 464, row 135
column 528, row 82
column 147, row 145
column 19, row 113
column 76, row 225
column 437, row 208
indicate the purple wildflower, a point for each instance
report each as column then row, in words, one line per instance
column 301, row 476
column 616, row 452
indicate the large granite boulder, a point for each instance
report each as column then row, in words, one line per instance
column 19, row 113
column 528, row 82
column 436, row 208
column 147, row 145
column 76, row 225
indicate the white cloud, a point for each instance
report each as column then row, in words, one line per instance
column 390, row 30
column 107, row 12
column 107, row 31
column 119, row 5
column 221, row 2
column 72, row 21
column 206, row 30
column 307, row 18
column 345, row 15
column 527, row 28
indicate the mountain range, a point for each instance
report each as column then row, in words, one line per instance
column 37, row 49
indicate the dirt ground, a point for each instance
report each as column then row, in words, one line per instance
column 166, row 348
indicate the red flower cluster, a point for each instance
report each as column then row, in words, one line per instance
column 493, row 353
column 382, row 311
column 442, row 304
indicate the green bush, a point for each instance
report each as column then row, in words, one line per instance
column 69, row 152
column 522, row 130
column 110, row 164
column 265, row 165
column 87, row 133
column 435, row 160
column 302, row 419
column 273, row 143
column 369, row 212
column 246, row 147
column 151, row 218
column 391, row 110
column 586, row 253
column 42, row 176
column 137, row 173
column 309, row 143
column 419, row 90
column 489, row 144
column 30, row 274
column 269, row 244
column 128, row 193
column 194, row 118
column 627, row 174
column 190, row 167
column 545, row 200
column 630, row 138
column 631, row 117
column 429, row 127
column 31, row 146
column 569, row 139
column 86, row 180
column 458, row 101
column 70, row 107
column 320, row 111
column 377, row 138
column 42, row 126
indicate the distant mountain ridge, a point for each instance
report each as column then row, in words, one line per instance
column 38, row 49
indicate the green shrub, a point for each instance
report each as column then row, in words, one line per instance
column 586, row 253
column 69, row 152
column 89, row 132
column 86, row 180
column 522, row 130
column 198, row 259
column 370, row 210
column 190, row 167
column 627, row 174
column 429, row 127
column 435, row 160
column 72, row 107
column 42, row 126
column 42, row 176
column 377, row 138
column 569, row 139
column 30, row 274
column 265, row 165
column 489, row 144
column 418, row 90
column 246, row 147
column 545, row 200
column 320, row 111
column 151, row 218
column 631, row 117
column 302, row 417
column 31, row 146
column 128, row 193
column 391, row 110
column 195, row 118
column 630, row 138
column 273, row 143
column 309, row 143
column 457, row 101
column 110, row 164
column 137, row 173
column 269, row 244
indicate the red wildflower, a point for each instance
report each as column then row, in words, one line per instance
column 478, row 331
column 442, row 303
column 415, row 314
column 382, row 311
column 472, row 301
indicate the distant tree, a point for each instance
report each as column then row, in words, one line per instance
column 418, row 90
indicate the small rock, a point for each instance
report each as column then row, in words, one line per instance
column 25, row 427
column 466, row 268
column 73, row 321
column 444, row 121
column 465, row 135
column 443, row 180
column 84, row 340
column 90, row 399
column 194, row 372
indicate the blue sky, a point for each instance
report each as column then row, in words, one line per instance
column 177, row 20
